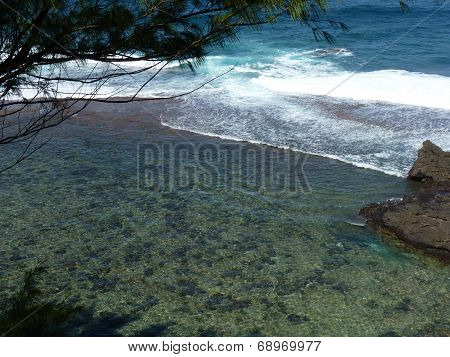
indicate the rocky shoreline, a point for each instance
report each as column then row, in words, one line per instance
column 421, row 220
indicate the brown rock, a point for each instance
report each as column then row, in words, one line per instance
column 423, row 219
column 432, row 165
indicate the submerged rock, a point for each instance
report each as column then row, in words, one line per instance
column 422, row 219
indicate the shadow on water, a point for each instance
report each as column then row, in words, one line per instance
column 30, row 312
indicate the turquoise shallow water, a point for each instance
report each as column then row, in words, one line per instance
column 242, row 260
column 216, row 262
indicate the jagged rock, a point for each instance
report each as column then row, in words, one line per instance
column 432, row 165
column 423, row 219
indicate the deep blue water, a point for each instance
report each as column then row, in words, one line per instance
column 403, row 41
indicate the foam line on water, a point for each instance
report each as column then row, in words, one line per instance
column 258, row 142
column 392, row 86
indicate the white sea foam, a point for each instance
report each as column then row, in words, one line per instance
column 324, row 52
column 393, row 86
column 147, row 64
column 377, row 136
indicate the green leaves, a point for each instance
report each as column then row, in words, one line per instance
column 98, row 30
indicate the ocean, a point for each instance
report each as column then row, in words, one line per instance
column 369, row 99
column 260, row 261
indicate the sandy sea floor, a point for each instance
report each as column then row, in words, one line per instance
column 220, row 260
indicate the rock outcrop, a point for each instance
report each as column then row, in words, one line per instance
column 432, row 165
column 422, row 219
